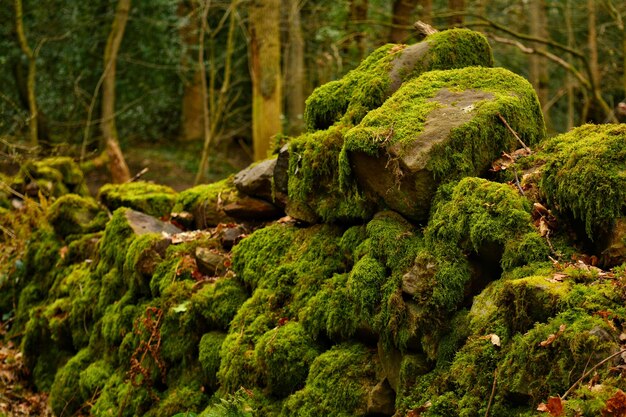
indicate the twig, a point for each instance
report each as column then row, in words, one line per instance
column 493, row 391
column 519, row 186
column 596, row 366
column 424, row 28
column 138, row 175
column 514, row 133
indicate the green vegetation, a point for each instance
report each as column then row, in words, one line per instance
column 153, row 199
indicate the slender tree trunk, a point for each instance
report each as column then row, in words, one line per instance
column 569, row 27
column 117, row 164
column 191, row 119
column 32, row 72
column 456, row 6
column 206, row 122
column 592, row 42
column 538, row 65
column 401, row 20
column 358, row 15
column 265, row 74
column 294, row 69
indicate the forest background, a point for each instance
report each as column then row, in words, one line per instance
column 200, row 88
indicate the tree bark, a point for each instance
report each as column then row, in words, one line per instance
column 117, row 164
column 294, row 69
column 358, row 15
column 538, row 65
column 32, row 73
column 401, row 20
column 456, row 7
column 426, row 11
column 191, row 118
column 265, row 74
column 206, row 121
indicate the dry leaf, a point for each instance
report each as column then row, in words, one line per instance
column 544, row 229
column 554, row 407
column 616, row 405
column 552, row 337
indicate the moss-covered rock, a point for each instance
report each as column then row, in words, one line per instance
column 284, row 355
column 153, row 199
column 209, row 356
column 383, row 71
column 583, row 175
column 66, row 395
column 53, row 176
column 72, row 214
column 441, row 126
column 338, row 384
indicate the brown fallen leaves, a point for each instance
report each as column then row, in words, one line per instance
column 16, row 400
column 616, row 405
column 552, row 337
column 554, row 406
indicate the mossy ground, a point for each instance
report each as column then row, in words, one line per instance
column 153, row 199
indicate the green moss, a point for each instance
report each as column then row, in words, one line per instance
column 338, row 383
column 206, row 202
column 366, row 87
column 72, row 214
column 479, row 216
column 83, row 248
column 65, row 395
column 114, row 244
column 121, row 399
column 117, row 321
column 365, row 286
column 584, row 174
column 93, row 378
column 209, row 356
column 218, row 302
column 284, row 355
column 55, row 176
column 538, row 371
column 153, row 199
column 393, row 240
column 314, row 178
column 180, row 399
column 472, row 146
column 331, row 311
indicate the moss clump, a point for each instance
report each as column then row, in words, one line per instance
column 331, row 311
column 94, row 377
column 72, row 214
column 284, row 355
column 584, row 175
column 206, row 202
column 218, row 302
column 209, row 356
column 122, row 399
column 65, row 395
column 366, row 87
column 479, row 216
column 539, row 371
column 153, row 199
column 314, row 179
column 365, row 285
column 338, row 383
column 54, row 176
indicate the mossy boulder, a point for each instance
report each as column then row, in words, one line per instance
column 53, row 176
column 384, row 70
column 152, row 199
column 583, row 175
column 72, row 214
column 339, row 383
column 439, row 127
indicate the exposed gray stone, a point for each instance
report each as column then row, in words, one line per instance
column 382, row 399
column 142, row 224
column 256, row 180
column 209, row 262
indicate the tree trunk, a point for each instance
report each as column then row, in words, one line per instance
column 191, row 118
column 569, row 27
column 456, row 8
column 538, row 65
column 294, row 69
column 117, row 164
column 401, row 20
column 358, row 15
column 426, row 11
column 265, row 74
column 32, row 72
column 206, row 121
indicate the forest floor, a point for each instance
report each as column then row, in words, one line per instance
column 16, row 398
column 174, row 164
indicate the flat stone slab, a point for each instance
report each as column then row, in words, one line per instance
column 143, row 224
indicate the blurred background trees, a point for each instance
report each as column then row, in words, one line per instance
column 218, row 80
